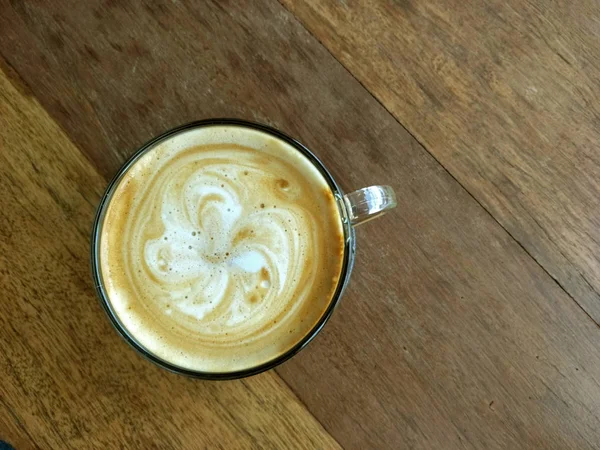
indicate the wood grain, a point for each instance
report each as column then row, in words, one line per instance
column 504, row 95
column 13, row 431
column 450, row 335
column 68, row 381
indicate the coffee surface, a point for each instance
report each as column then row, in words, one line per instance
column 221, row 248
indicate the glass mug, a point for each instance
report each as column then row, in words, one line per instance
column 354, row 208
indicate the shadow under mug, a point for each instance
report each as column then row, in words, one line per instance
column 355, row 208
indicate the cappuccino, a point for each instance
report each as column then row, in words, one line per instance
column 221, row 248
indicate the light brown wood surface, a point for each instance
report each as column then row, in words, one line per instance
column 13, row 430
column 504, row 94
column 68, row 381
column 450, row 335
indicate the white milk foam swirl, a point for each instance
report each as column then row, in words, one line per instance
column 220, row 244
column 200, row 257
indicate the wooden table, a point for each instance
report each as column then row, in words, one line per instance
column 472, row 317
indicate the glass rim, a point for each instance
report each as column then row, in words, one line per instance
column 347, row 263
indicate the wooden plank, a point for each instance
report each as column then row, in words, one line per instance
column 12, row 430
column 502, row 93
column 450, row 335
column 68, row 380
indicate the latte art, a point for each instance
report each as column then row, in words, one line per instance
column 215, row 254
column 221, row 249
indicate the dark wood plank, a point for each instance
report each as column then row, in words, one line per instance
column 67, row 379
column 504, row 95
column 450, row 335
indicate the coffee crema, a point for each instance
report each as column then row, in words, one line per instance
column 221, row 248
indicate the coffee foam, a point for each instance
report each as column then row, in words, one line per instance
column 221, row 248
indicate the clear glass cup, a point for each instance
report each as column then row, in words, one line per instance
column 355, row 208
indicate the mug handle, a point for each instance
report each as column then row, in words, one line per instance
column 368, row 203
